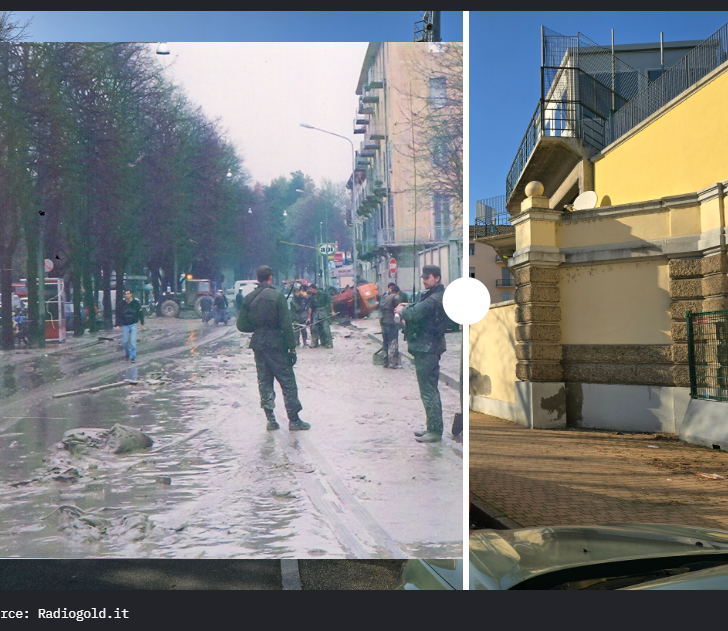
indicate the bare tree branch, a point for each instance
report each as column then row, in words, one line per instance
column 13, row 31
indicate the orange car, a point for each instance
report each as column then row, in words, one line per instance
column 367, row 300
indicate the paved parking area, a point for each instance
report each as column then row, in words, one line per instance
column 549, row 478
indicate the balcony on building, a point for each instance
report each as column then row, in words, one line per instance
column 376, row 131
column 361, row 123
column 364, row 107
column 582, row 85
column 493, row 226
column 376, row 80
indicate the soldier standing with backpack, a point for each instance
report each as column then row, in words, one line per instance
column 265, row 314
column 426, row 323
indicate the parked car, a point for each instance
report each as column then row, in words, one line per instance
column 431, row 574
column 618, row 556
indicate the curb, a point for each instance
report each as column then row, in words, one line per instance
column 446, row 379
column 500, row 521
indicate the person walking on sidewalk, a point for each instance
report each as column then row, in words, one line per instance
column 390, row 332
column 132, row 316
column 320, row 311
column 426, row 323
column 265, row 314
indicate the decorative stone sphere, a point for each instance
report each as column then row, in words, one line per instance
column 534, row 189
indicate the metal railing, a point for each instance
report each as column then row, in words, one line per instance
column 582, row 84
column 505, row 282
column 491, row 217
column 406, row 236
column 700, row 61
column 708, row 354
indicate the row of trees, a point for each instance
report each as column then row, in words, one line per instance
column 107, row 168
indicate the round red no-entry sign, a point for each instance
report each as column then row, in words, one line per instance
column 392, row 265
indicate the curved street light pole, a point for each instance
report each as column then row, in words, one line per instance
column 353, row 209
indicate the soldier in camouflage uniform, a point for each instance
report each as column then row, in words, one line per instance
column 320, row 311
column 299, row 315
column 426, row 323
column 265, row 314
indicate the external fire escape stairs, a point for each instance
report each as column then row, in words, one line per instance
column 582, row 85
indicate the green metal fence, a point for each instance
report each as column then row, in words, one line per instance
column 708, row 354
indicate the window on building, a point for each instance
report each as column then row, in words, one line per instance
column 506, row 295
column 471, row 273
column 506, row 277
column 438, row 92
column 654, row 73
column 471, row 249
column 442, row 216
column 439, row 151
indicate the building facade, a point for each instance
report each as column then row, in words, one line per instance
column 401, row 211
column 598, row 335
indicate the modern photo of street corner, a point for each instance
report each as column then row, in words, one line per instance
column 597, row 394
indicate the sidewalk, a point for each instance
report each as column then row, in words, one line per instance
column 570, row 477
column 449, row 362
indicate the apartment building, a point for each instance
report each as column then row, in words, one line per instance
column 403, row 212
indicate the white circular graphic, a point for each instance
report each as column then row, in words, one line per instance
column 466, row 300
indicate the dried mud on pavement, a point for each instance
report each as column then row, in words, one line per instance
column 570, row 477
column 216, row 484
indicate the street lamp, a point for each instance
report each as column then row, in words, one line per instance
column 353, row 210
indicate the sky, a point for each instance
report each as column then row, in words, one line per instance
column 262, row 92
column 259, row 91
column 505, row 59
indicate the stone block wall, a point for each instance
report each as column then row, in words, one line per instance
column 538, row 329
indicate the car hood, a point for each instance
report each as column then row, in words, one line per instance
column 502, row 559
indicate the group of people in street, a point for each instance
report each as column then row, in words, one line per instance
column 278, row 327
column 266, row 315
column 215, row 309
column 311, row 308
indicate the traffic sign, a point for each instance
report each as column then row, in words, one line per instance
column 392, row 266
column 48, row 265
column 327, row 248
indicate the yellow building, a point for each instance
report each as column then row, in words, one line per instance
column 409, row 93
column 484, row 262
column 597, row 336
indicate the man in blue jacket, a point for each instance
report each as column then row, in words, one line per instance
column 425, row 326
column 132, row 316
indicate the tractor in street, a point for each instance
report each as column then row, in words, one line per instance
column 188, row 298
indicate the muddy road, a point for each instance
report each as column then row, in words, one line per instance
column 216, row 484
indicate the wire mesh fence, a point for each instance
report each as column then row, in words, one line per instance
column 700, row 61
column 582, row 85
column 708, row 354
column 491, row 217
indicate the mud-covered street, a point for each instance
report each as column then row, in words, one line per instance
column 215, row 483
